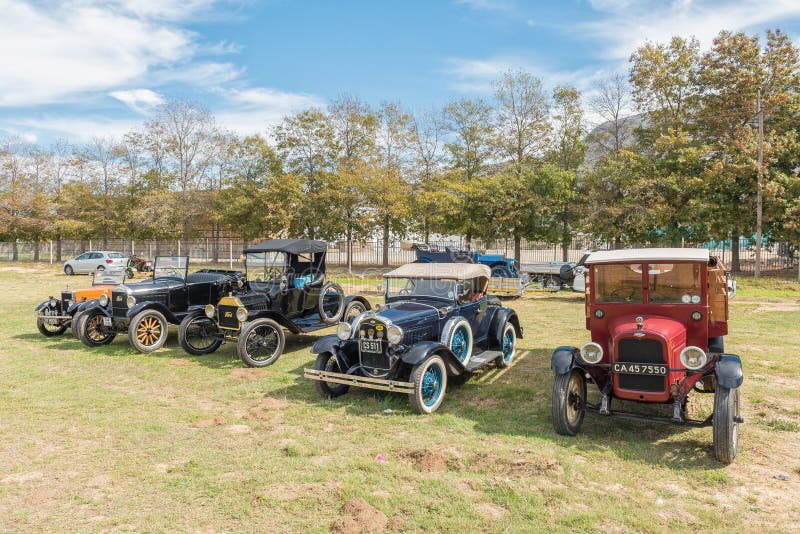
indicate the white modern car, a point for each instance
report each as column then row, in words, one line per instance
column 89, row 262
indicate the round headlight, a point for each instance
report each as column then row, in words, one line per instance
column 394, row 334
column 696, row 315
column 591, row 353
column 131, row 301
column 599, row 313
column 343, row 331
column 52, row 303
column 693, row 358
column 103, row 300
column 209, row 309
column 241, row 314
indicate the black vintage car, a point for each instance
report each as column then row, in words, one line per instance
column 145, row 310
column 438, row 324
column 285, row 288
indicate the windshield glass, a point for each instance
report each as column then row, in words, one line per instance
column 674, row 283
column 108, row 277
column 618, row 283
column 416, row 287
column 171, row 267
column 265, row 266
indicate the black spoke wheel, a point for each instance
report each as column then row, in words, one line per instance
column 725, row 424
column 261, row 343
column 199, row 335
column 568, row 404
column 91, row 330
column 50, row 327
column 328, row 390
column 148, row 331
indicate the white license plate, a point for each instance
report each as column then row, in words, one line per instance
column 639, row 369
column 106, row 321
column 371, row 345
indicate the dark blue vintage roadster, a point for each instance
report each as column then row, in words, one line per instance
column 437, row 324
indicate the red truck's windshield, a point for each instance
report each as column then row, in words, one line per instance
column 668, row 283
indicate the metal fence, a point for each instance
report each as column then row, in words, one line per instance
column 774, row 257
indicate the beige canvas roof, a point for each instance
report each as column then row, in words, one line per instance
column 648, row 254
column 451, row 271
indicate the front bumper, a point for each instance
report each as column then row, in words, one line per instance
column 359, row 381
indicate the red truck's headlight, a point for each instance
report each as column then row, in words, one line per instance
column 693, row 358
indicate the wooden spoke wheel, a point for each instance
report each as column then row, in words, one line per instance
column 148, row 331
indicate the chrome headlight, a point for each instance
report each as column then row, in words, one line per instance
column 693, row 358
column 53, row 303
column 131, row 301
column 591, row 353
column 241, row 314
column 343, row 331
column 103, row 300
column 209, row 309
column 394, row 334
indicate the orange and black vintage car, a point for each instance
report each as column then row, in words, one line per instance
column 54, row 315
column 658, row 318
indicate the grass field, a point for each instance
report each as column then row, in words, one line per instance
column 111, row 440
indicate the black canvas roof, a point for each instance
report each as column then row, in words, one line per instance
column 290, row 246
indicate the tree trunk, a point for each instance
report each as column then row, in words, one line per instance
column 36, row 245
column 14, row 250
column 215, row 249
column 349, row 248
column 735, row 266
column 427, row 230
column 58, row 247
column 105, row 237
column 386, row 242
column 617, row 243
column 517, row 247
column 158, row 248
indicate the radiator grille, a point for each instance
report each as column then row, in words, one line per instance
column 374, row 329
column 227, row 317
column 637, row 350
column 119, row 303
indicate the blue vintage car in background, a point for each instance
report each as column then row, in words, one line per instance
column 437, row 325
column 500, row 265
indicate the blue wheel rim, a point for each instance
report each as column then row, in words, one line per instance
column 508, row 345
column 432, row 385
column 460, row 343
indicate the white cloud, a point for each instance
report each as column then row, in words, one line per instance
column 139, row 100
column 73, row 128
column 255, row 109
column 628, row 24
column 57, row 51
column 491, row 5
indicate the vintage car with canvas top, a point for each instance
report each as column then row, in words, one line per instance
column 54, row 316
column 285, row 288
column 146, row 309
column 657, row 319
column 437, row 325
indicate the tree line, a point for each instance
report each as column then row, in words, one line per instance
column 671, row 159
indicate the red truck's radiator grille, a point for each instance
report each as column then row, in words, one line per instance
column 635, row 350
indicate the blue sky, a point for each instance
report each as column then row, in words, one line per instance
column 81, row 68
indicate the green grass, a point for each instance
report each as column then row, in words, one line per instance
column 109, row 439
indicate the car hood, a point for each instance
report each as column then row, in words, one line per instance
column 408, row 313
column 142, row 288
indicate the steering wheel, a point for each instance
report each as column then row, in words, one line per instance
column 617, row 293
column 272, row 273
column 174, row 273
column 408, row 289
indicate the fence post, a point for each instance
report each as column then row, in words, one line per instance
column 230, row 255
column 51, row 252
column 133, row 247
column 90, row 244
column 179, row 247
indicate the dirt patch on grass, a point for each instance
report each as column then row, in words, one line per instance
column 248, row 374
column 491, row 511
column 214, row 421
column 359, row 516
column 428, row 461
column 22, row 478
